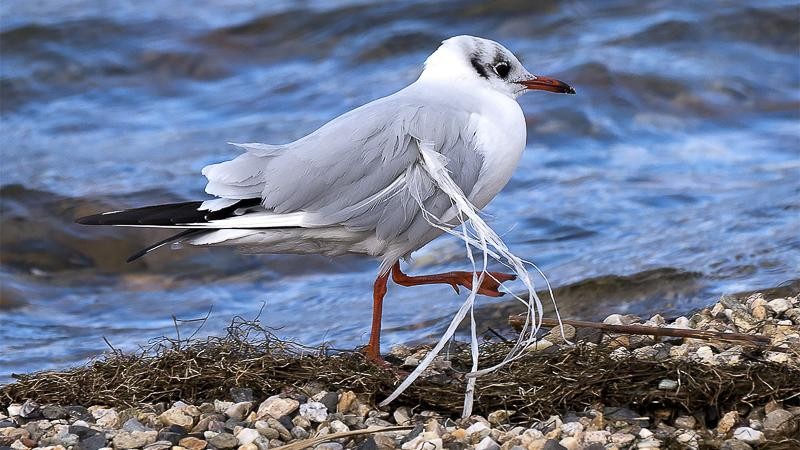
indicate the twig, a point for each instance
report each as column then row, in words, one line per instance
column 517, row 322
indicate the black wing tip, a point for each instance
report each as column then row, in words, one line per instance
column 94, row 219
column 169, row 240
column 136, row 256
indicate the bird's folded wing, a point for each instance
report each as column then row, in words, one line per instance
column 361, row 170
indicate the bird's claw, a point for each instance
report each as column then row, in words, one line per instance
column 490, row 285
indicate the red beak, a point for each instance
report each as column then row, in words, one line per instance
column 547, row 84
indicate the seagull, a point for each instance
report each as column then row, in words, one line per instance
column 363, row 183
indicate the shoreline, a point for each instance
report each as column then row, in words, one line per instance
column 251, row 391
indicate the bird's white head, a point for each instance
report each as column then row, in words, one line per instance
column 477, row 60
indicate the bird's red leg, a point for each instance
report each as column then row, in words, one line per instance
column 373, row 349
column 490, row 285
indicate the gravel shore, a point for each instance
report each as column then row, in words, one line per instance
column 309, row 416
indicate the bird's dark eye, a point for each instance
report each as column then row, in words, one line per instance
column 502, row 69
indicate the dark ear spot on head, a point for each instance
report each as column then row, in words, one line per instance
column 476, row 63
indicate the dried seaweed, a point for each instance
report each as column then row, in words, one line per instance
column 536, row 386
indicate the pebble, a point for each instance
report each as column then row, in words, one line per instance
column 402, row 415
column 734, row 444
column 276, row 407
column 133, row 424
column 570, row 443
column 106, row 418
column 685, row 422
column 176, row 416
column 280, row 428
column 329, row 446
column 299, row 433
column 705, row 354
column 95, row 442
column 650, row 443
column 192, row 443
column 265, row 430
column 748, row 435
column 622, row 439
column 337, row 426
column 29, row 410
column 158, row 445
column 477, row 427
column 727, row 422
column 487, row 443
column 499, row 417
column 223, row 441
column 134, row 439
column 780, row 420
column 239, row 410
column 779, row 305
column 596, row 436
column 220, row 406
column 346, row 401
column 667, row 384
column 53, row 412
column 314, row 411
column 247, row 435
column 571, row 428
column 14, row 409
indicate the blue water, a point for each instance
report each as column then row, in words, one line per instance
column 679, row 155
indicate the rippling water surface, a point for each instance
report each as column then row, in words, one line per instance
column 671, row 178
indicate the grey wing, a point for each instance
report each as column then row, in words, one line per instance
column 362, row 170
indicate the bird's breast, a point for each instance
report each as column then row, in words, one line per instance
column 501, row 135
